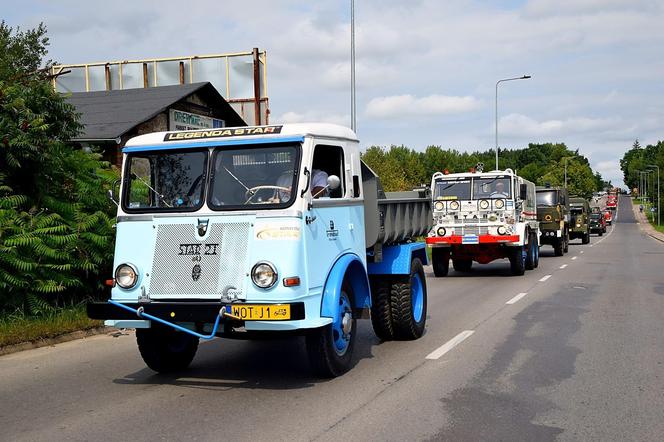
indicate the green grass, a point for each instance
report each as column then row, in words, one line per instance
column 17, row 328
column 652, row 219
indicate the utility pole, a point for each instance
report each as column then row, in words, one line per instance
column 353, row 117
column 658, row 207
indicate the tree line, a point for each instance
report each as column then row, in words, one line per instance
column 642, row 159
column 401, row 167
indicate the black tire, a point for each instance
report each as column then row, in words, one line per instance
column 324, row 358
column 165, row 350
column 537, row 253
column 462, row 265
column 566, row 242
column 407, row 326
column 517, row 261
column 559, row 247
column 440, row 258
column 586, row 238
column 530, row 253
column 381, row 313
column 601, row 232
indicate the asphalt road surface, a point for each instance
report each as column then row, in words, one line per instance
column 574, row 350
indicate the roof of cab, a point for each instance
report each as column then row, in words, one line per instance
column 237, row 134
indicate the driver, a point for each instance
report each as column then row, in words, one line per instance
column 499, row 190
column 285, row 180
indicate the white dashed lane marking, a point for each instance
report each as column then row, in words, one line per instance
column 563, row 266
column 516, row 298
column 574, row 257
column 544, row 278
column 449, row 345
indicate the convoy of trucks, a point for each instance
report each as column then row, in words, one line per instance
column 264, row 231
column 255, row 232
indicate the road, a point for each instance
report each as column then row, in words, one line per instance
column 580, row 356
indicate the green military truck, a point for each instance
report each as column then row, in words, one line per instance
column 553, row 216
column 580, row 217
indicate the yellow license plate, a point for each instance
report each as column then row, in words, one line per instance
column 260, row 312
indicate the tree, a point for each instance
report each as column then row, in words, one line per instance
column 56, row 232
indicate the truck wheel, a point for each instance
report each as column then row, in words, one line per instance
column 601, row 232
column 440, row 258
column 409, row 303
column 462, row 265
column 537, row 251
column 165, row 350
column 381, row 313
column 586, row 238
column 330, row 348
column 566, row 242
column 518, row 261
column 530, row 253
column 559, row 247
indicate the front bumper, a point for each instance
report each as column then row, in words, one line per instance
column 433, row 241
column 197, row 312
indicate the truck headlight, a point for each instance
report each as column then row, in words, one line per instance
column 439, row 205
column 499, row 204
column 454, row 205
column 502, row 230
column 484, row 204
column 126, row 276
column 441, row 231
column 264, row 275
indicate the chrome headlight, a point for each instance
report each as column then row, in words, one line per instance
column 502, row 230
column 499, row 204
column 454, row 205
column 439, row 205
column 126, row 276
column 484, row 204
column 264, row 275
column 441, row 231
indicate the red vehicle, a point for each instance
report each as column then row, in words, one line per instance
column 608, row 217
column 611, row 202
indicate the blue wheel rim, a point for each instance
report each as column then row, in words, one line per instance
column 524, row 253
column 417, row 296
column 341, row 340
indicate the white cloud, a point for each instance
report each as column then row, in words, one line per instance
column 400, row 106
column 523, row 126
column 540, row 8
column 311, row 117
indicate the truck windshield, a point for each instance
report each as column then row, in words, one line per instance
column 248, row 177
column 498, row 187
column 162, row 181
column 452, row 189
column 547, row 198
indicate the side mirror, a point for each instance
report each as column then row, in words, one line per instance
column 111, row 192
column 523, row 191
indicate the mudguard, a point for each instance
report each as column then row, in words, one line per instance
column 349, row 266
column 397, row 259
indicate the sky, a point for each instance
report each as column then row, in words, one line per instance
column 426, row 69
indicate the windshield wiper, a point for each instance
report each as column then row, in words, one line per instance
column 161, row 197
column 238, row 180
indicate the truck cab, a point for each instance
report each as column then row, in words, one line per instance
column 553, row 216
column 249, row 232
column 580, row 217
column 483, row 216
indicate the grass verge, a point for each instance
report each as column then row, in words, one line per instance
column 17, row 328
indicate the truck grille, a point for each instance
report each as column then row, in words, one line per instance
column 184, row 264
column 474, row 227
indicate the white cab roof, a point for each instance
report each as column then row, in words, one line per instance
column 284, row 130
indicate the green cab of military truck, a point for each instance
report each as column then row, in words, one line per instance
column 553, row 216
column 580, row 219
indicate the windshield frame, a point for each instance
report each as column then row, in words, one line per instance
column 126, row 181
column 215, row 150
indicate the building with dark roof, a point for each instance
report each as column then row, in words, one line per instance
column 112, row 117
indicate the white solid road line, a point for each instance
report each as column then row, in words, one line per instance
column 544, row 278
column 563, row 266
column 449, row 345
column 574, row 257
column 516, row 298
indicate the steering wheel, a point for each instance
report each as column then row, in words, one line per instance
column 251, row 193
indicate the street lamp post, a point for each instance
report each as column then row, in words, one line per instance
column 524, row 77
column 353, row 118
column 658, row 210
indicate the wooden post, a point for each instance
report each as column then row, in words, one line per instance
column 257, row 89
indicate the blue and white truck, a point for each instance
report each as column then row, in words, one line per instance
column 250, row 232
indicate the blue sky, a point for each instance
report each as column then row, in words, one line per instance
column 426, row 69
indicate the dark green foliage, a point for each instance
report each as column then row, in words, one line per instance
column 401, row 168
column 641, row 159
column 56, row 234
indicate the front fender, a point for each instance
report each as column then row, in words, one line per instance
column 351, row 268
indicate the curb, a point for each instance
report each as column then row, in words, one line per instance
column 72, row 336
column 644, row 224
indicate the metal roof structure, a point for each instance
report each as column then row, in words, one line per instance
column 107, row 115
